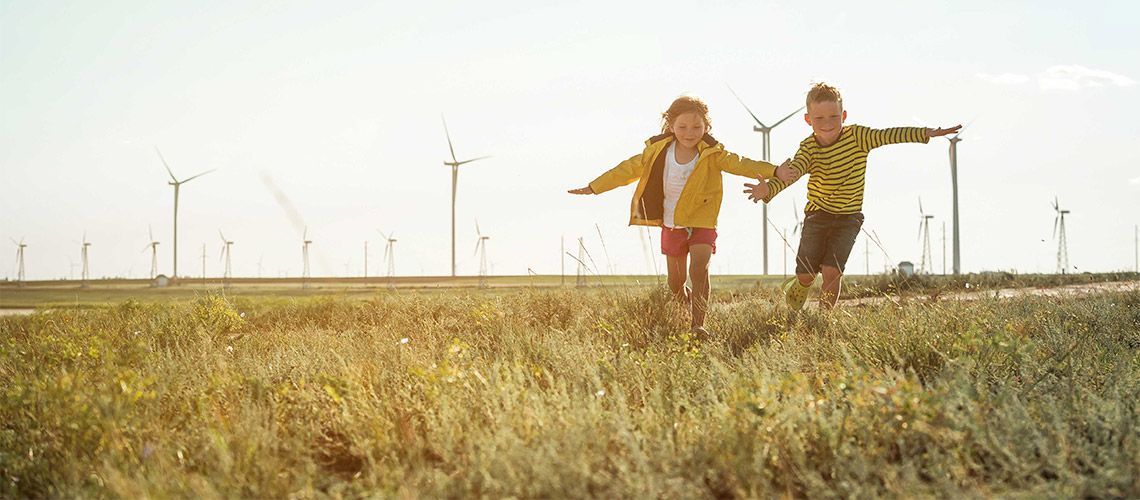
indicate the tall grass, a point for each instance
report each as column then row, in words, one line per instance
column 572, row 394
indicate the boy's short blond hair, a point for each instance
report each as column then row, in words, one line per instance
column 824, row 92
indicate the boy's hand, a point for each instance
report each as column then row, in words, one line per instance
column 757, row 192
column 939, row 132
column 786, row 173
column 585, row 190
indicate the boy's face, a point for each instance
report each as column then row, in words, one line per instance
column 826, row 119
column 689, row 128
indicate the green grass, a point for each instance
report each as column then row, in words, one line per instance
column 571, row 393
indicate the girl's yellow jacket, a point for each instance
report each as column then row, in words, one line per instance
column 700, row 199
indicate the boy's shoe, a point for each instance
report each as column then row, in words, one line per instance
column 795, row 294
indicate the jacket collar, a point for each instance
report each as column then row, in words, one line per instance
column 664, row 139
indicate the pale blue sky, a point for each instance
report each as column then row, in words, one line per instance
column 340, row 103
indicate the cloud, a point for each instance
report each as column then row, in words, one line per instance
column 1075, row 77
column 1134, row 180
column 1070, row 77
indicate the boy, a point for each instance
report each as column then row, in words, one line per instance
column 835, row 157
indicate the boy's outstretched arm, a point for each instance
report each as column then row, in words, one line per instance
column 585, row 190
column 939, row 132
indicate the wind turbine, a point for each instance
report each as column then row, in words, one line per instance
column 85, row 274
column 305, row 254
column 765, row 130
column 954, row 140
column 153, row 246
column 924, row 236
column 389, row 254
column 225, row 254
column 454, row 164
column 19, row 260
column 481, row 249
column 177, row 184
column 1062, row 245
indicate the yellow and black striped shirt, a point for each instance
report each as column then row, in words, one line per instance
column 836, row 173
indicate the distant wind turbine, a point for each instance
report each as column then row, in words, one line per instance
column 765, row 130
column 177, row 184
column 389, row 254
column 1062, row 244
column 924, row 236
column 481, row 250
column 153, row 246
column 85, row 274
column 225, row 254
column 20, row 246
column 305, row 254
column 454, row 164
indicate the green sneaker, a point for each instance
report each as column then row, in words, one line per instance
column 795, row 294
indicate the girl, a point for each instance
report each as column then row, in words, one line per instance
column 679, row 188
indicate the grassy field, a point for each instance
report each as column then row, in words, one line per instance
column 563, row 392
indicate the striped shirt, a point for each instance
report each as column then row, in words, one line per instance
column 836, row 173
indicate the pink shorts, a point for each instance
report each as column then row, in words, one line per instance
column 675, row 242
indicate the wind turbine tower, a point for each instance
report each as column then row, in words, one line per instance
column 20, row 246
column 177, row 184
column 390, row 255
column 765, row 130
column 225, row 255
column 481, row 249
column 305, row 254
column 153, row 246
column 1062, row 245
column 85, row 274
column 924, row 234
column 454, row 164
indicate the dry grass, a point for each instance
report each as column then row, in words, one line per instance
column 563, row 393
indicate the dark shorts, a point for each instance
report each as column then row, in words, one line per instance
column 826, row 241
column 675, row 242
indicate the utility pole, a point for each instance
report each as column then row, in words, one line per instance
column 943, row 247
column 366, row 262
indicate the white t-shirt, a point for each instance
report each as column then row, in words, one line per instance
column 676, row 175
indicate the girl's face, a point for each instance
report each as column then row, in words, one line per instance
column 689, row 128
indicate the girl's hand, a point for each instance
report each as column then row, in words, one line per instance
column 757, row 192
column 787, row 174
column 585, row 190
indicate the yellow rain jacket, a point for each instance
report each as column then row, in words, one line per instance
column 700, row 199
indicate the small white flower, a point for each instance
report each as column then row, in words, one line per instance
column 242, row 315
column 138, row 332
column 600, row 393
column 229, row 348
column 404, row 340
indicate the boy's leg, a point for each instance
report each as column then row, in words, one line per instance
column 844, row 231
column 832, row 281
column 699, row 274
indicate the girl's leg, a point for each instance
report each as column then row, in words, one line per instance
column 699, row 273
column 677, row 277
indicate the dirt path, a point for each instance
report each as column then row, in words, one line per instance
column 1004, row 293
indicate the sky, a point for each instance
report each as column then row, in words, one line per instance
column 325, row 120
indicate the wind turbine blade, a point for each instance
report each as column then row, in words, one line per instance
column 471, row 160
column 919, row 237
column 477, row 231
column 477, row 243
column 794, row 113
column 448, row 134
column 199, row 175
column 1055, row 225
column 172, row 177
column 920, row 211
column 14, row 241
column 741, row 101
column 151, row 231
column 222, row 236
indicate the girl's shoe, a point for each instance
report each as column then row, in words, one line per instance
column 795, row 294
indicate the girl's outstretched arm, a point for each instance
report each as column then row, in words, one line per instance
column 585, row 190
